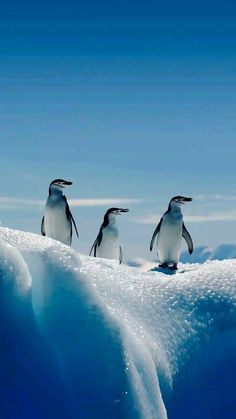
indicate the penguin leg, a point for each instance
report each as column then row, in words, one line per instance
column 163, row 265
column 174, row 267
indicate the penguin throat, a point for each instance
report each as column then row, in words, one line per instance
column 112, row 219
column 55, row 193
column 175, row 206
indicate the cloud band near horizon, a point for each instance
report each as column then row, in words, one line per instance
column 16, row 203
column 211, row 217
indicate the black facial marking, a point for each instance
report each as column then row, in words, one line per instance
column 61, row 183
column 112, row 210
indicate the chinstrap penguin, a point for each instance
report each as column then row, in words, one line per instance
column 170, row 231
column 107, row 244
column 57, row 221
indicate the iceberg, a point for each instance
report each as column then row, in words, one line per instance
column 203, row 253
column 85, row 338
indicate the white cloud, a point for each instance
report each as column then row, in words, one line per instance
column 12, row 203
column 16, row 203
column 216, row 197
column 211, row 217
column 96, row 202
column 214, row 216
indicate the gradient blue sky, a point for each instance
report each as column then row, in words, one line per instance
column 133, row 100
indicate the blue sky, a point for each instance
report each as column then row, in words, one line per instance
column 132, row 101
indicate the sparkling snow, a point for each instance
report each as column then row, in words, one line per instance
column 86, row 338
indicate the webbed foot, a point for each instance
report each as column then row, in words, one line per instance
column 163, row 265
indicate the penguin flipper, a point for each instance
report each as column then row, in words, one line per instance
column 75, row 227
column 188, row 239
column 120, row 256
column 94, row 246
column 42, row 228
column 70, row 218
column 96, row 243
column 156, row 231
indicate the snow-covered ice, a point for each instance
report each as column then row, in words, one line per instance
column 86, row 338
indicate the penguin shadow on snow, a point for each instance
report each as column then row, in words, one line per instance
column 166, row 271
column 181, row 270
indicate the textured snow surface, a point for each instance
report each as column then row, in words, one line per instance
column 86, row 338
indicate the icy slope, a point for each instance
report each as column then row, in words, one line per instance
column 86, row 338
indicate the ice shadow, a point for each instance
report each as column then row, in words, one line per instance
column 165, row 271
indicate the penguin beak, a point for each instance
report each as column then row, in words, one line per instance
column 184, row 200
column 66, row 183
column 123, row 210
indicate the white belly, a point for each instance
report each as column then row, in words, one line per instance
column 109, row 247
column 170, row 238
column 56, row 223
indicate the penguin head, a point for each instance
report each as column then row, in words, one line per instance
column 58, row 185
column 112, row 213
column 178, row 200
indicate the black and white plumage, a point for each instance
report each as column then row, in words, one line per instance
column 107, row 244
column 169, row 233
column 58, row 221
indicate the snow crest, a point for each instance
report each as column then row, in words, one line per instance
column 86, row 338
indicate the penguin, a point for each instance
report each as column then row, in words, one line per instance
column 107, row 244
column 170, row 231
column 57, row 220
